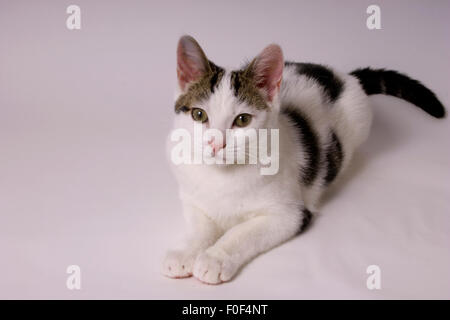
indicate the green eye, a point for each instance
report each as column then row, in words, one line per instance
column 242, row 120
column 199, row 115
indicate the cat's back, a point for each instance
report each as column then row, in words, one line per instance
column 328, row 100
column 311, row 83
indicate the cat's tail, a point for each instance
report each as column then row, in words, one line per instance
column 393, row 83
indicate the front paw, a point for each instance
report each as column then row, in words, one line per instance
column 178, row 264
column 212, row 268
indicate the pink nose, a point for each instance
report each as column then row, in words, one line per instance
column 217, row 146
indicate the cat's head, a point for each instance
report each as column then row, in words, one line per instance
column 219, row 99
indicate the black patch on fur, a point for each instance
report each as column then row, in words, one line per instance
column 310, row 143
column 334, row 157
column 213, row 81
column 331, row 84
column 235, row 83
column 183, row 109
column 306, row 220
column 217, row 71
column 393, row 83
column 201, row 89
column 245, row 90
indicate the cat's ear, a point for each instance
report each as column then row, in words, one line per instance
column 192, row 63
column 267, row 70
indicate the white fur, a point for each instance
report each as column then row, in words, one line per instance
column 233, row 212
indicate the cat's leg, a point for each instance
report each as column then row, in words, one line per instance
column 203, row 233
column 221, row 261
column 312, row 196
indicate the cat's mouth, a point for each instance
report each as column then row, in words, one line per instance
column 219, row 157
column 229, row 156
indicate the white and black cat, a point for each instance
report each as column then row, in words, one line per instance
column 233, row 211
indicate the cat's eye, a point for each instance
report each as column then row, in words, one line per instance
column 242, row 120
column 199, row 115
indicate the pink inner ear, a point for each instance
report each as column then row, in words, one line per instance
column 190, row 61
column 268, row 70
column 187, row 71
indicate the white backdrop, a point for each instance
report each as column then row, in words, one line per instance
column 83, row 175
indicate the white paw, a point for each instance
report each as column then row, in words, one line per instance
column 213, row 269
column 178, row 264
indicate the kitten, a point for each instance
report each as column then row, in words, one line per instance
column 234, row 212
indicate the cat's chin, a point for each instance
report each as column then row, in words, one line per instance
column 217, row 161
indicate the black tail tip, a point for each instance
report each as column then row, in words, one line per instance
column 436, row 109
column 440, row 113
column 394, row 83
